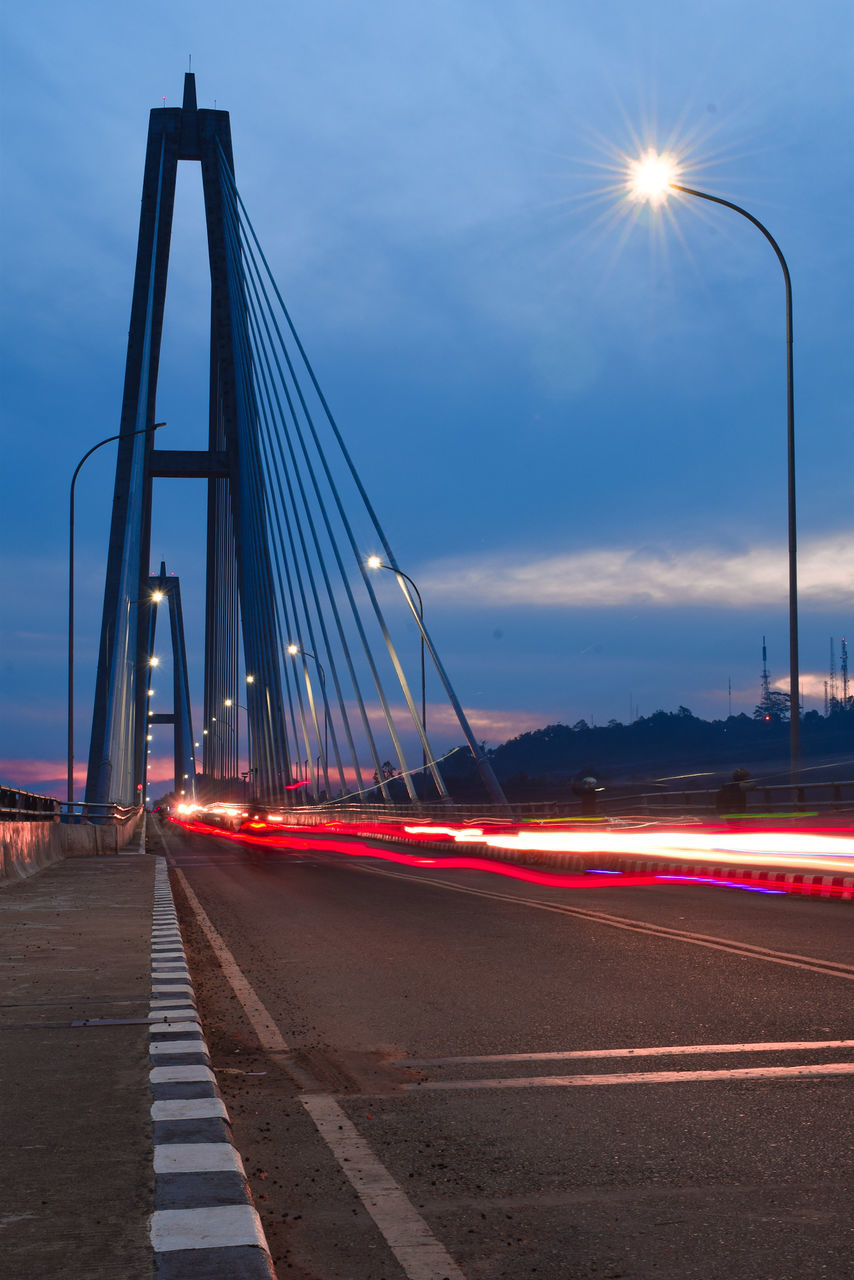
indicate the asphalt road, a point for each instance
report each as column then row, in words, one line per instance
column 381, row 1070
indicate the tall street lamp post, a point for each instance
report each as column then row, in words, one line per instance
column 143, row 431
column 228, row 702
column 293, row 650
column 651, row 179
column 374, row 562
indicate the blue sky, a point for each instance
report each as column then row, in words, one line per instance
column 569, row 411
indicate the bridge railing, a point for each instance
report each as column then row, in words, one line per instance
column 25, row 806
column 829, row 797
column 81, row 811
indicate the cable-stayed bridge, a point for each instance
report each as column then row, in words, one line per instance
column 295, row 632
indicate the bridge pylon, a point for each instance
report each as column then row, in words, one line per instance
column 239, row 582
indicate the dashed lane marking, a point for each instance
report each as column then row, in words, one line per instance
column 555, row 1055
column 639, row 1077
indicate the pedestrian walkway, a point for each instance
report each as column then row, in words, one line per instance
column 104, row 1075
column 77, row 1177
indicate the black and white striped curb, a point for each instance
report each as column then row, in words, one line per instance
column 204, row 1225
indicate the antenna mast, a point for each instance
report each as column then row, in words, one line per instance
column 766, row 686
column 834, row 699
column 844, row 673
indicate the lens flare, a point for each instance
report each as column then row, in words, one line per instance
column 651, row 177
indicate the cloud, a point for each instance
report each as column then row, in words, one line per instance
column 494, row 725
column 650, row 577
column 812, row 684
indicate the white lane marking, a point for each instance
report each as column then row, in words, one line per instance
column 831, row 968
column 196, row 1157
column 189, row 1109
column 269, row 1036
column 780, row 1046
column 407, row 1234
column 641, row 1077
column 419, row 1253
column 229, row 1224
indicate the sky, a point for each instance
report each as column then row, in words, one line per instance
column 569, row 409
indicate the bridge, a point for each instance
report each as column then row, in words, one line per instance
column 407, row 1038
column 295, row 632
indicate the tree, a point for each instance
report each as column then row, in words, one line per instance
column 388, row 769
column 774, row 706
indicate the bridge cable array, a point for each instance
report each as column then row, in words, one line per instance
column 307, row 508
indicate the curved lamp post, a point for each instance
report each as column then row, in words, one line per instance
column 374, row 562
column 651, row 178
column 294, row 650
column 121, row 436
column 230, row 702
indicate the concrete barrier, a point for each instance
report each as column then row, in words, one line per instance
column 28, row 847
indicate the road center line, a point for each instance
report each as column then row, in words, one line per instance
column 407, row 1235
column 564, row 1055
column 639, row 1077
column 829, row 968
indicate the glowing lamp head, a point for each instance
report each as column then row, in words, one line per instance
column 652, row 176
column 374, row 562
column 228, row 703
column 250, row 679
column 154, row 662
column 157, row 596
column 293, row 650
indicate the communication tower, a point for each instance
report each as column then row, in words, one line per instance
column 766, row 684
column 845, row 702
column 834, row 696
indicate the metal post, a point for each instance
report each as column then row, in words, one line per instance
column 375, row 562
column 121, row 435
column 794, row 673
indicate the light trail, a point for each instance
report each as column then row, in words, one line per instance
column 803, row 851
column 348, row 839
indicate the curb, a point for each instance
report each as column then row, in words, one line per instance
column 204, row 1225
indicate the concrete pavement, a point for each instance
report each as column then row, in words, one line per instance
column 95, row 1183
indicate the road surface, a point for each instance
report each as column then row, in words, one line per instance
column 455, row 1074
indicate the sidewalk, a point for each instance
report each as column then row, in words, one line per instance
column 77, row 1174
column 117, row 1160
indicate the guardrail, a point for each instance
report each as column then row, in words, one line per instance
column 24, row 806
column 80, row 811
column 835, row 796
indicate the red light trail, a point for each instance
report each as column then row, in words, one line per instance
column 349, row 840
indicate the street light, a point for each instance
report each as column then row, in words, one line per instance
column 230, row 702
column 293, row 650
column 121, row 436
column 374, row 562
column 651, row 178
